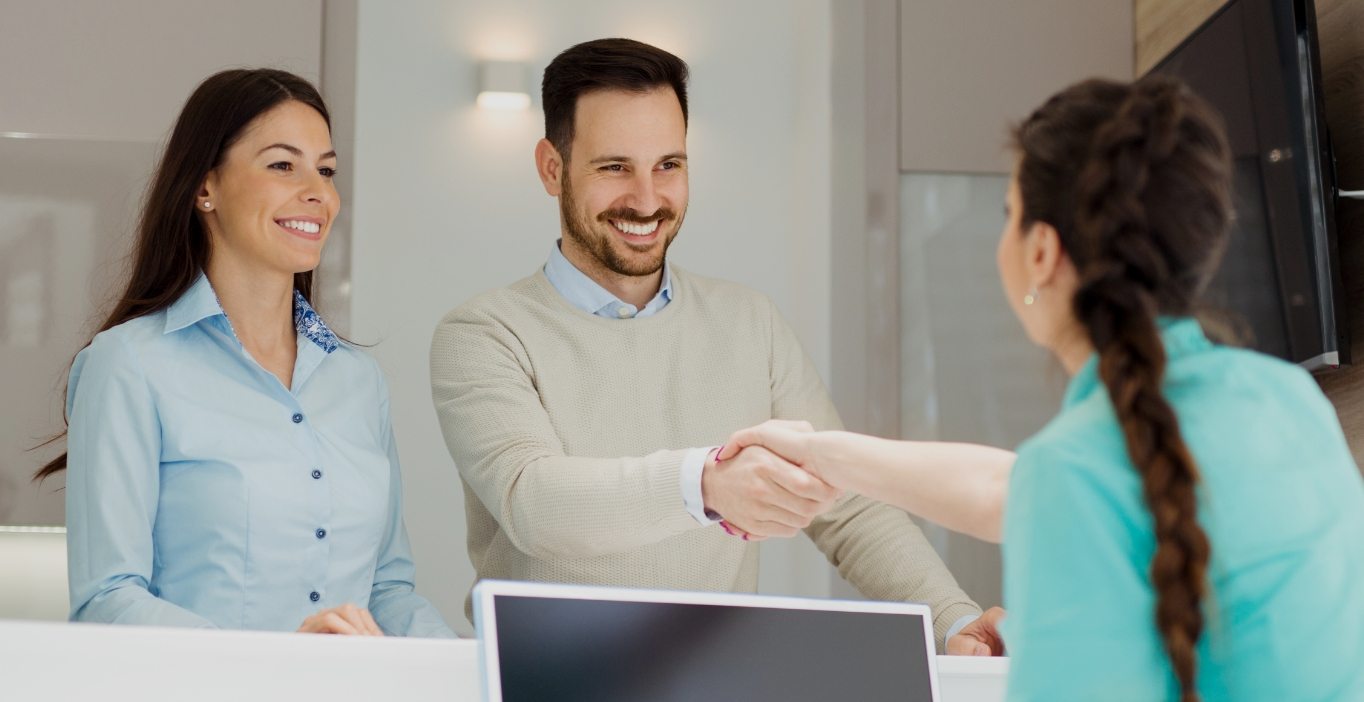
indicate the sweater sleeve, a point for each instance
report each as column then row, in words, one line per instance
column 875, row 547
column 550, row 505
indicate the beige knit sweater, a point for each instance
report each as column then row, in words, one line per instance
column 569, row 430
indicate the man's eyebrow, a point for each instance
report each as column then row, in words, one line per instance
column 295, row 151
column 675, row 156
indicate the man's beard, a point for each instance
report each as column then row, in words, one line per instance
column 581, row 231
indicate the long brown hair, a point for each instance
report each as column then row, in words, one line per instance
column 1136, row 179
column 172, row 245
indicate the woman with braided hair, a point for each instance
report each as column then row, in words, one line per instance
column 1190, row 526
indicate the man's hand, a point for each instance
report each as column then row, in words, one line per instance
column 346, row 619
column 762, row 494
column 979, row 638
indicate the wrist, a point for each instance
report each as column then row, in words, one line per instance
column 690, row 475
column 825, row 455
column 707, row 475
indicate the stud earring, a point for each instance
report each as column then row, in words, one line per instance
column 208, row 205
column 1032, row 296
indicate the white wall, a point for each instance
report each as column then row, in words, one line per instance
column 447, row 203
column 122, row 70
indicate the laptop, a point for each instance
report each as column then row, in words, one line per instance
column 569, row 643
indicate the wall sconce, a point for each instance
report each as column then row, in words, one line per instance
column 502, row 85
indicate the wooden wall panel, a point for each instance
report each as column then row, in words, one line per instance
column 1163, row 24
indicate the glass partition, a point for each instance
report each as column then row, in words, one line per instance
column 67, row 211
column 968, row 371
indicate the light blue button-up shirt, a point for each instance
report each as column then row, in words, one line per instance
column 587, row 295
column 201, row 492
column 1282, row 504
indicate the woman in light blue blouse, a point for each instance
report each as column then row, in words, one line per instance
column 230, row 462
column 1191, row 525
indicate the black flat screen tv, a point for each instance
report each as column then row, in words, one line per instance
column 1257, row 62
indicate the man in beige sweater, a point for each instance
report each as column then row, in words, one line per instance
column 583, row 405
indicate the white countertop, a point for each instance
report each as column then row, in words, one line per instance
column 57, row 661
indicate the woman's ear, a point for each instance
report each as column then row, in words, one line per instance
column 1044, row 254
column 204, row 199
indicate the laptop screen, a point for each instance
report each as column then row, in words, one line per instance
column 589, row 650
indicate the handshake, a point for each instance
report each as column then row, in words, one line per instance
column 769, row 480
column 775, row 478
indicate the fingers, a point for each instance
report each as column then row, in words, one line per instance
column 966, row 644
column 361, row 619
column 328, row 622
column 373, row 625
column 347, row 619
column 981, row 637
column 776, row 491
column 990, row 622
column 358, row 619
column 791, row 487
column 804, row 485
column 740, row 533
column 761, row 530
column 763, row 520
column 783, row 437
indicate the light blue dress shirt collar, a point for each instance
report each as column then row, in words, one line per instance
column 585, row 294
column 1181, row 336
column 200, row 303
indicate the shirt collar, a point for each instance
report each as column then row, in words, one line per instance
column 200, row 303
column 585, row 294
column 1181, row 336
column 310, row 325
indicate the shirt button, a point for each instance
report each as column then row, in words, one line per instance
column 317, row 474
column 297, row 418
column 314, row 596
column 623, row 313
column 321, row 533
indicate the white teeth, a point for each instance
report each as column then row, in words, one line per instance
column 307, row 227
column 637, row 229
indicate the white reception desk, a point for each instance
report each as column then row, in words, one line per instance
column 42, row 661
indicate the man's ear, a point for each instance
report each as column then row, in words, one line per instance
column 550, row 165
column 1044, row 254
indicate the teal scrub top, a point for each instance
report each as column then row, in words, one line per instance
column 1280, row 499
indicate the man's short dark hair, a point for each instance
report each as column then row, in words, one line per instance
column 604, row 64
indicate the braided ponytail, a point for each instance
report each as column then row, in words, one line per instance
column 1138, row 190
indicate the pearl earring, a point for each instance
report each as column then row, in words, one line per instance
column 1032, row 296
column 208, row 205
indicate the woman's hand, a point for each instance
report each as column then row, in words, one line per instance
column 795, row 441
column 346, row 619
